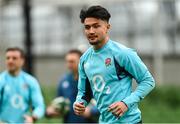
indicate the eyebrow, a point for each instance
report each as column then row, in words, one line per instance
column 91, row 24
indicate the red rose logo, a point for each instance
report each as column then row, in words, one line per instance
column 108, row 61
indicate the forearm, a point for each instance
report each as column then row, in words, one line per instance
column 38, row 112
column 80, row 97
column 84, row 91
column 144, row 87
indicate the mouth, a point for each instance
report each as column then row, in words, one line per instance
column 92, row 37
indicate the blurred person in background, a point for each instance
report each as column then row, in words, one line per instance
column 68, row 90
column 109, row 67
column 21, row 99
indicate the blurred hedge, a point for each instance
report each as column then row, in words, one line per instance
column 168, row 95
column 162, row 105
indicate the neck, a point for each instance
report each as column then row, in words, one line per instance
column 101, row 43
column 75, row 75
column 14, row 73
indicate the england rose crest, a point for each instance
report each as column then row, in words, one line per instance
column 108, row 61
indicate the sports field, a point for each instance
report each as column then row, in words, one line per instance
column 161, row 106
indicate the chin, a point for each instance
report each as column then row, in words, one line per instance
column 11, row 69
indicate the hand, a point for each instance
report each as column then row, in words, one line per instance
column 118, row 108
column 51, row 111
column 28, row 119
column 79, row 108
column 1, row 122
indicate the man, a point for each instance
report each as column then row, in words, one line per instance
column 68, row 89
column 109, row 67
column 19, row 91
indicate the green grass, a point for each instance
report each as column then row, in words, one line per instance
column 162, row 105
column 159, row 113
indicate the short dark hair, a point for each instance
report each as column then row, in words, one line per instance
column 98, row 12
column 76, row 51
column 22, row 54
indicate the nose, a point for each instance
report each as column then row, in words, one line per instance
column 91, row 31
column 10, row 59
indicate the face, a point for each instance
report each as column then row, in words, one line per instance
column 95, row 30
column 72, row 61
column 14, row 61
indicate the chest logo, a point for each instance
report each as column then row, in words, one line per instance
column 65, row 84
column 108, row 62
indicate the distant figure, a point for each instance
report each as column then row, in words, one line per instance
column 68, row 89
column 19, row 92
column 109, row 67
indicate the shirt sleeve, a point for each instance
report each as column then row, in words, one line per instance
column 60, row 89
column 134, row 65
column 1, row 90
column 37, row 100
column 84, row 91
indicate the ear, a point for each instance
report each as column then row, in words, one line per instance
column 108, row 26
column 23, row 61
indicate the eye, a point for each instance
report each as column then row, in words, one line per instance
column 14, row 58
column 87, row 27
column 96, row 26
column 7, row 58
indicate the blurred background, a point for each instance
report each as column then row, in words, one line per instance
column 47, row 29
